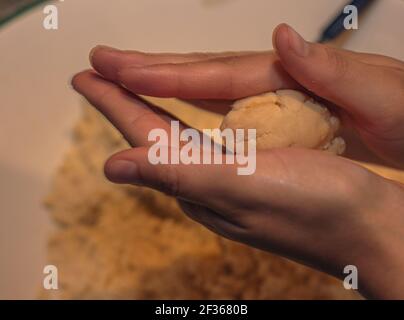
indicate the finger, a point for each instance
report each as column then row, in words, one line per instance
column 220, row 78
column 108, row 61
column 133, row 117
column 197, row 183
column 339, row 79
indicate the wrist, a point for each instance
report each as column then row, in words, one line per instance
column 381, row 267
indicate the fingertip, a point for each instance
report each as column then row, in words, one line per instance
column 92, row 53
column 280, row 37
column 124, row 166
column 78, row 79
column 104, row 60
column 102, row 48
column 121, row 171
column 97, row 50
column 289, row 43
column 74, row 80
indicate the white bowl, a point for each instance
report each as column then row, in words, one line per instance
column 38, row 107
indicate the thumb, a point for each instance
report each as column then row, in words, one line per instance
column 358, row 87
column 197, row 183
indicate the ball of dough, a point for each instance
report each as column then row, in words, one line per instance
column 286, row 118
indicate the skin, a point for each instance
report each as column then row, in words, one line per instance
column 336, row 215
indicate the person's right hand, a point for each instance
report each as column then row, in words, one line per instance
column 368, row 89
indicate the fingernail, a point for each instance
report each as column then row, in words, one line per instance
column 297, row 43
column 101, row 47
column 123, row 171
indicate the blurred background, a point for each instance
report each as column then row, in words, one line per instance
column 38, row 108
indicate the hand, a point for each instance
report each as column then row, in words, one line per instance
column 312, row 207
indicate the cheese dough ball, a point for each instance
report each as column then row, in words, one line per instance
column 285, row 118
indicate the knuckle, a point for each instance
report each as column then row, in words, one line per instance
column 236, row 232
column 352, row 189
column 338, row 62
column 169, row 181
column 133, row 121
column 109, row 94
column 226, row 69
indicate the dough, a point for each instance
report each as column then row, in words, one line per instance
column 286, row 118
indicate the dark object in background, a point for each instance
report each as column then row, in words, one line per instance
column 9, row 9
column 336, row 27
